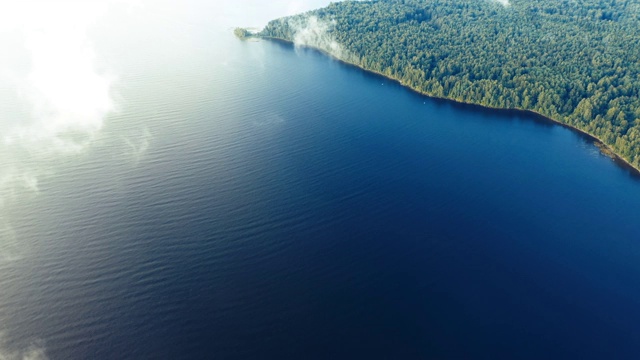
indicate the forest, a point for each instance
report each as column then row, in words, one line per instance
column 574, row 61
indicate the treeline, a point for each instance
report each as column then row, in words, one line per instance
column 576, row 61
column 241, row 33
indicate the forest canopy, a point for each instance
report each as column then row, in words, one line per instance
column 575, row 61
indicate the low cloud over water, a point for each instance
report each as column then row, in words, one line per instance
column 35, row 351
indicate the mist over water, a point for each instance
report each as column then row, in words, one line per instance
column 172, row 192
column 59, row 75
column 60, row 91
column 57, row 96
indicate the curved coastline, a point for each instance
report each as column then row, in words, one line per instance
column 605, row 149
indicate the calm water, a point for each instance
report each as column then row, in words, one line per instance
column 253, row 201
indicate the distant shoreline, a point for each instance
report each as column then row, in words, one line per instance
column 605, row 149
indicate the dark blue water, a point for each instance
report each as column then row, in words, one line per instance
column 292, row 207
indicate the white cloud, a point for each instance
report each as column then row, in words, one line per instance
column 57, row 95
column 137, row 145
column 312, row 32
column 69, row 97
column 34, row 352
column 504, row 3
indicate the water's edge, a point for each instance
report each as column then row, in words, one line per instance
column 597, row 142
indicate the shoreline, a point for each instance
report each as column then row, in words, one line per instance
column 604, row 149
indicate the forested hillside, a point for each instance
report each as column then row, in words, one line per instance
column 575, row 61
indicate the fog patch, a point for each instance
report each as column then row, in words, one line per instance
column 35, row 351
column 312, row 32
column 67, row 95
column 136, row 146
column 9, row 247
column 504, row 3
column 57, row 95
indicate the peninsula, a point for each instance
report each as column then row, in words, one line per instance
column 575, row 62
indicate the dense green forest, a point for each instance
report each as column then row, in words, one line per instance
column 575, row 61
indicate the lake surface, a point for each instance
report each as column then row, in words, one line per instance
column 250, row 200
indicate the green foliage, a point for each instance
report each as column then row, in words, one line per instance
column 241, row 33
column 576, row 61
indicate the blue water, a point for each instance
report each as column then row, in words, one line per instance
column 291, row 207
